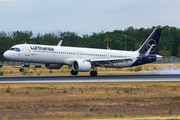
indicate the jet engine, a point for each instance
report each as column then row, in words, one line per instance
column 81, row 66
column 53, row 66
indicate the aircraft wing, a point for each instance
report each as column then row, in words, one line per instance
column 110, row 61
column 100, row 62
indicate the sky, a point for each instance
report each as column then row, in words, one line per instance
column 86, row 16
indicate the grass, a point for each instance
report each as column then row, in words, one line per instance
column 138, row 68
column 38, row 101
column 115, row 115
column 1, row 73
column 37, row 88
column 50, row 71
column 24, row 73
column 8, row 90
column 36, row 111
column 9, row 107
column 131, row 69
column 64, row 91
column 117, row 91
column 127, row 90
column 144, row 69
column 170, row 111
column 11, row 72
column 27, row 92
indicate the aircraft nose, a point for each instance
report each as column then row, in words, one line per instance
column 6, row 54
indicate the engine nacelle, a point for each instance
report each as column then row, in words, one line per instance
column 81, row 66
column 53, row 66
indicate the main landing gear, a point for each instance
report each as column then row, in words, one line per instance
column 74, row 72
column 92, row 73
column 22, row 68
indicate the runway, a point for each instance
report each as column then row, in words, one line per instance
column 89, row 79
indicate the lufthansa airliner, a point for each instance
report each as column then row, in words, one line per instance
column 85, row 59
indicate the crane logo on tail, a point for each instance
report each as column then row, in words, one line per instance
column 152, row 43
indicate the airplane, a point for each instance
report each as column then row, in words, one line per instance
column 85, row 59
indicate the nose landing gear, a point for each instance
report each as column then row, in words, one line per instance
column 22, row 68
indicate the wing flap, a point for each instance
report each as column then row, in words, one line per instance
column 112, row 60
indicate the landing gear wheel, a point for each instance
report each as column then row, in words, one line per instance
column 21, row 69
column 74, row 72
column 93, row 73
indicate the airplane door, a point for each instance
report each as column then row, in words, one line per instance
column 27, row 50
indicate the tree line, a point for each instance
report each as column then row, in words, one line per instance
column 130, row 39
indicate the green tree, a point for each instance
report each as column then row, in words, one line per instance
column 178, row 55
column 164, row 52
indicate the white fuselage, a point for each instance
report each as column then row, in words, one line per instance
column 65, row 55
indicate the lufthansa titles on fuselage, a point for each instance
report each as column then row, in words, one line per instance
column 41, row 48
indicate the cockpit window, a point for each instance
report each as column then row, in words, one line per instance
column 15, row 49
